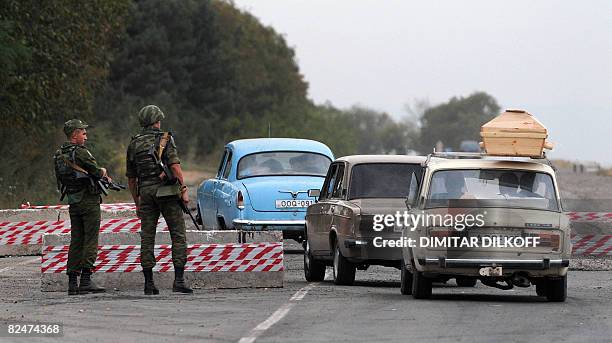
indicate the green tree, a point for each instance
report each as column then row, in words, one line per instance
column 456, row 120
column 55, row 54
column 216, row 71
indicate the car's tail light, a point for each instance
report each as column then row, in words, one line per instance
column 239, row 200
column 549, row 240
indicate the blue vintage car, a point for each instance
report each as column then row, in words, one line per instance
column 262, row 184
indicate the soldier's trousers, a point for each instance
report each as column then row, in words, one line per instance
column 149, row 211
column 85, row 226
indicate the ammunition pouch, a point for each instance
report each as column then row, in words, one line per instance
column 146, row 166
column 169, row 191
column 142, row 182
column 71, row 180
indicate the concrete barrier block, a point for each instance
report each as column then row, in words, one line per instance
column 217, row 259
column 25, row 238
column 28, row 215
column 53, row 214
column 20, row 250
column 58, row 282
column 592, row 245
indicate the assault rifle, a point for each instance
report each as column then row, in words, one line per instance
column 103, row 183
column 156, row 152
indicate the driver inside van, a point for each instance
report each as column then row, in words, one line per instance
column 454, row 186
column 526, row 185
column 508, row 184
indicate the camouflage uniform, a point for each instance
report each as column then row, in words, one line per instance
column 84, row 199
column 142, row 166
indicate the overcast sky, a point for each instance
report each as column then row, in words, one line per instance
column 553, row 58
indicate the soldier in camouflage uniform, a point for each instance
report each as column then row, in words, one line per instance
column 84, row 199
column 145, row 177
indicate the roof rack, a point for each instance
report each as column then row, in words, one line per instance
column 457, row 154
column 482, row 155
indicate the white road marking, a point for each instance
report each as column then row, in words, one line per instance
column 299, row 295
column 6, row 269
column 278, row 315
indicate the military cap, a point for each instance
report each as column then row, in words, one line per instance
column 149, row 115
column 74, row 124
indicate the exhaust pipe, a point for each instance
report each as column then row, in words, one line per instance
column 520, row 280
column 495, row 283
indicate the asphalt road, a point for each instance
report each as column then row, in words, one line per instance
column 372, row 310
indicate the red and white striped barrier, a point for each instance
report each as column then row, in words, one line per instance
column 589, row 216
column 229, row 257
column 592, row 245
column 28, row 233
column 115, row 206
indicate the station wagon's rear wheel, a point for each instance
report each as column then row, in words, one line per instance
column 344, row 271
column 556, row 289
column 313, row 269
column 405, row 280
column 421, row 286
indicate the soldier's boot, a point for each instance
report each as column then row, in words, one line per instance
column 73, row 283
column 149, row 286
column 179, row 281
column 87, row 285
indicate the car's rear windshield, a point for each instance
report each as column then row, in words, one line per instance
column 283, row 163
column 492, row 188
column 384, row 180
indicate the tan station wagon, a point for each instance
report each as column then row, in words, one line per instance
column 343, row 226
column 516, row 234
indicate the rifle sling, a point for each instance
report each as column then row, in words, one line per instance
column 162, row 145
column 74, row 166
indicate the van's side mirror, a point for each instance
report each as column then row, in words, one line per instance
column 315, row 193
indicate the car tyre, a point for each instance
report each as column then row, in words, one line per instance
column 421, row 286
column 344, row 271
column 466, row 282
column 556, row 289
column 313, row 270
column 541, row 288
column 221, row 222
column 198, row 217
column 405, row 280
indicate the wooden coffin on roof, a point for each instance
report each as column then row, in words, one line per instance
column 515, row 133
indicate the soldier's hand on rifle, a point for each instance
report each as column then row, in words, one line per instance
column 184, row 194
column 162, row 176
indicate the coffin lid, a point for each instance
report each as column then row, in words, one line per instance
column 514, row 120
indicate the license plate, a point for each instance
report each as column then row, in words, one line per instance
column 293, row 203
column 490, row 271
column 500, row 235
